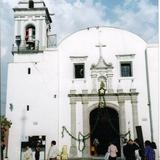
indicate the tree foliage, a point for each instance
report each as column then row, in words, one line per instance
column 5, row 124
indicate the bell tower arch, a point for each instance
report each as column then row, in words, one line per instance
column 32, row 27
column 115, row 103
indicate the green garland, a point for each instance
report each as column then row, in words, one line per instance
column 4, row 125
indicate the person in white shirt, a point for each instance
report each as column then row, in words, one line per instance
column 112, row 150
column 53, row 151
column 28, row 155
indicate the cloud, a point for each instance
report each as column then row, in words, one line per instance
column 70, row 17
column 137, row 16
column 141, row 19
column 6, row 17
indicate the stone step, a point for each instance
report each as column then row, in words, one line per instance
column 91, row 158
column 86, row 158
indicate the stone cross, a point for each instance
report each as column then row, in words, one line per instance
column 100, row 45
column 100, row 48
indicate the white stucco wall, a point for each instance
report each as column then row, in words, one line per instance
column 153, row 72
column 118, row 42
column 39, row 90
column 46, row 89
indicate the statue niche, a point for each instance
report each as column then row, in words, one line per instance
column 102, row 72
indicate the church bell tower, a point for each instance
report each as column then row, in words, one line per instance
column 32, row 27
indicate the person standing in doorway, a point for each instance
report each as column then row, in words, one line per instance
column 53, row 151
column 112, row 150
column 37, row 152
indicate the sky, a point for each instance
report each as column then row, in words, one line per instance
column 137, row 16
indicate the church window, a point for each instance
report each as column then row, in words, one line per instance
column 29, row 70
column 27, row 107
column 126, row 69
column 31, row 4
column 79, row 70
column 30, row 32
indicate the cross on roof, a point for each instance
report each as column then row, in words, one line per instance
column 100, row 45
column 100, row 48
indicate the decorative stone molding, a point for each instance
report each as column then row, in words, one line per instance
column 119, row 90
column 125, row 56
column 84, row 91
column 72, row 101
column 84, row 98
column 101, row 72
column 135, row 118
column 72, row 91
column 78, row 59
column 133, row 98
column 86, row 151
column 134, row 111
column 120, row 97
column 133, row 90
column 73, row 148
column 73, row 151
column 113, row 100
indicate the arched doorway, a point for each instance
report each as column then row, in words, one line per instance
column 104, row 126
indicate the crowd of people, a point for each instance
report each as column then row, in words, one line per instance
column 52, row 153
column 132, row 150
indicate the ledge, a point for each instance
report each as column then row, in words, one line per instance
column 107, row 94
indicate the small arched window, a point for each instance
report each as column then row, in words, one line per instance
column 30, row 32
column 31, row 4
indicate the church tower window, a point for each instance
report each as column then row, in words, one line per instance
column 30, row 37
column 30, row 32
column 79, row 70
column 126, row 69
column 31, row 4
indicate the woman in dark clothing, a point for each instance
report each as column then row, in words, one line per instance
column 149, row 151
column 2, row 149
column 129, row 150
column 141, row 148
column 37, row 152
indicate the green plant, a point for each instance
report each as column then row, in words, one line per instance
column 5, row 124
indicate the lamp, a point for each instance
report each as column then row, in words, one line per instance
column 101, row 94
column 18, row 41
column 102, row 90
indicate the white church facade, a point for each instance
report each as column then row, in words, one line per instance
column 52, row 90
